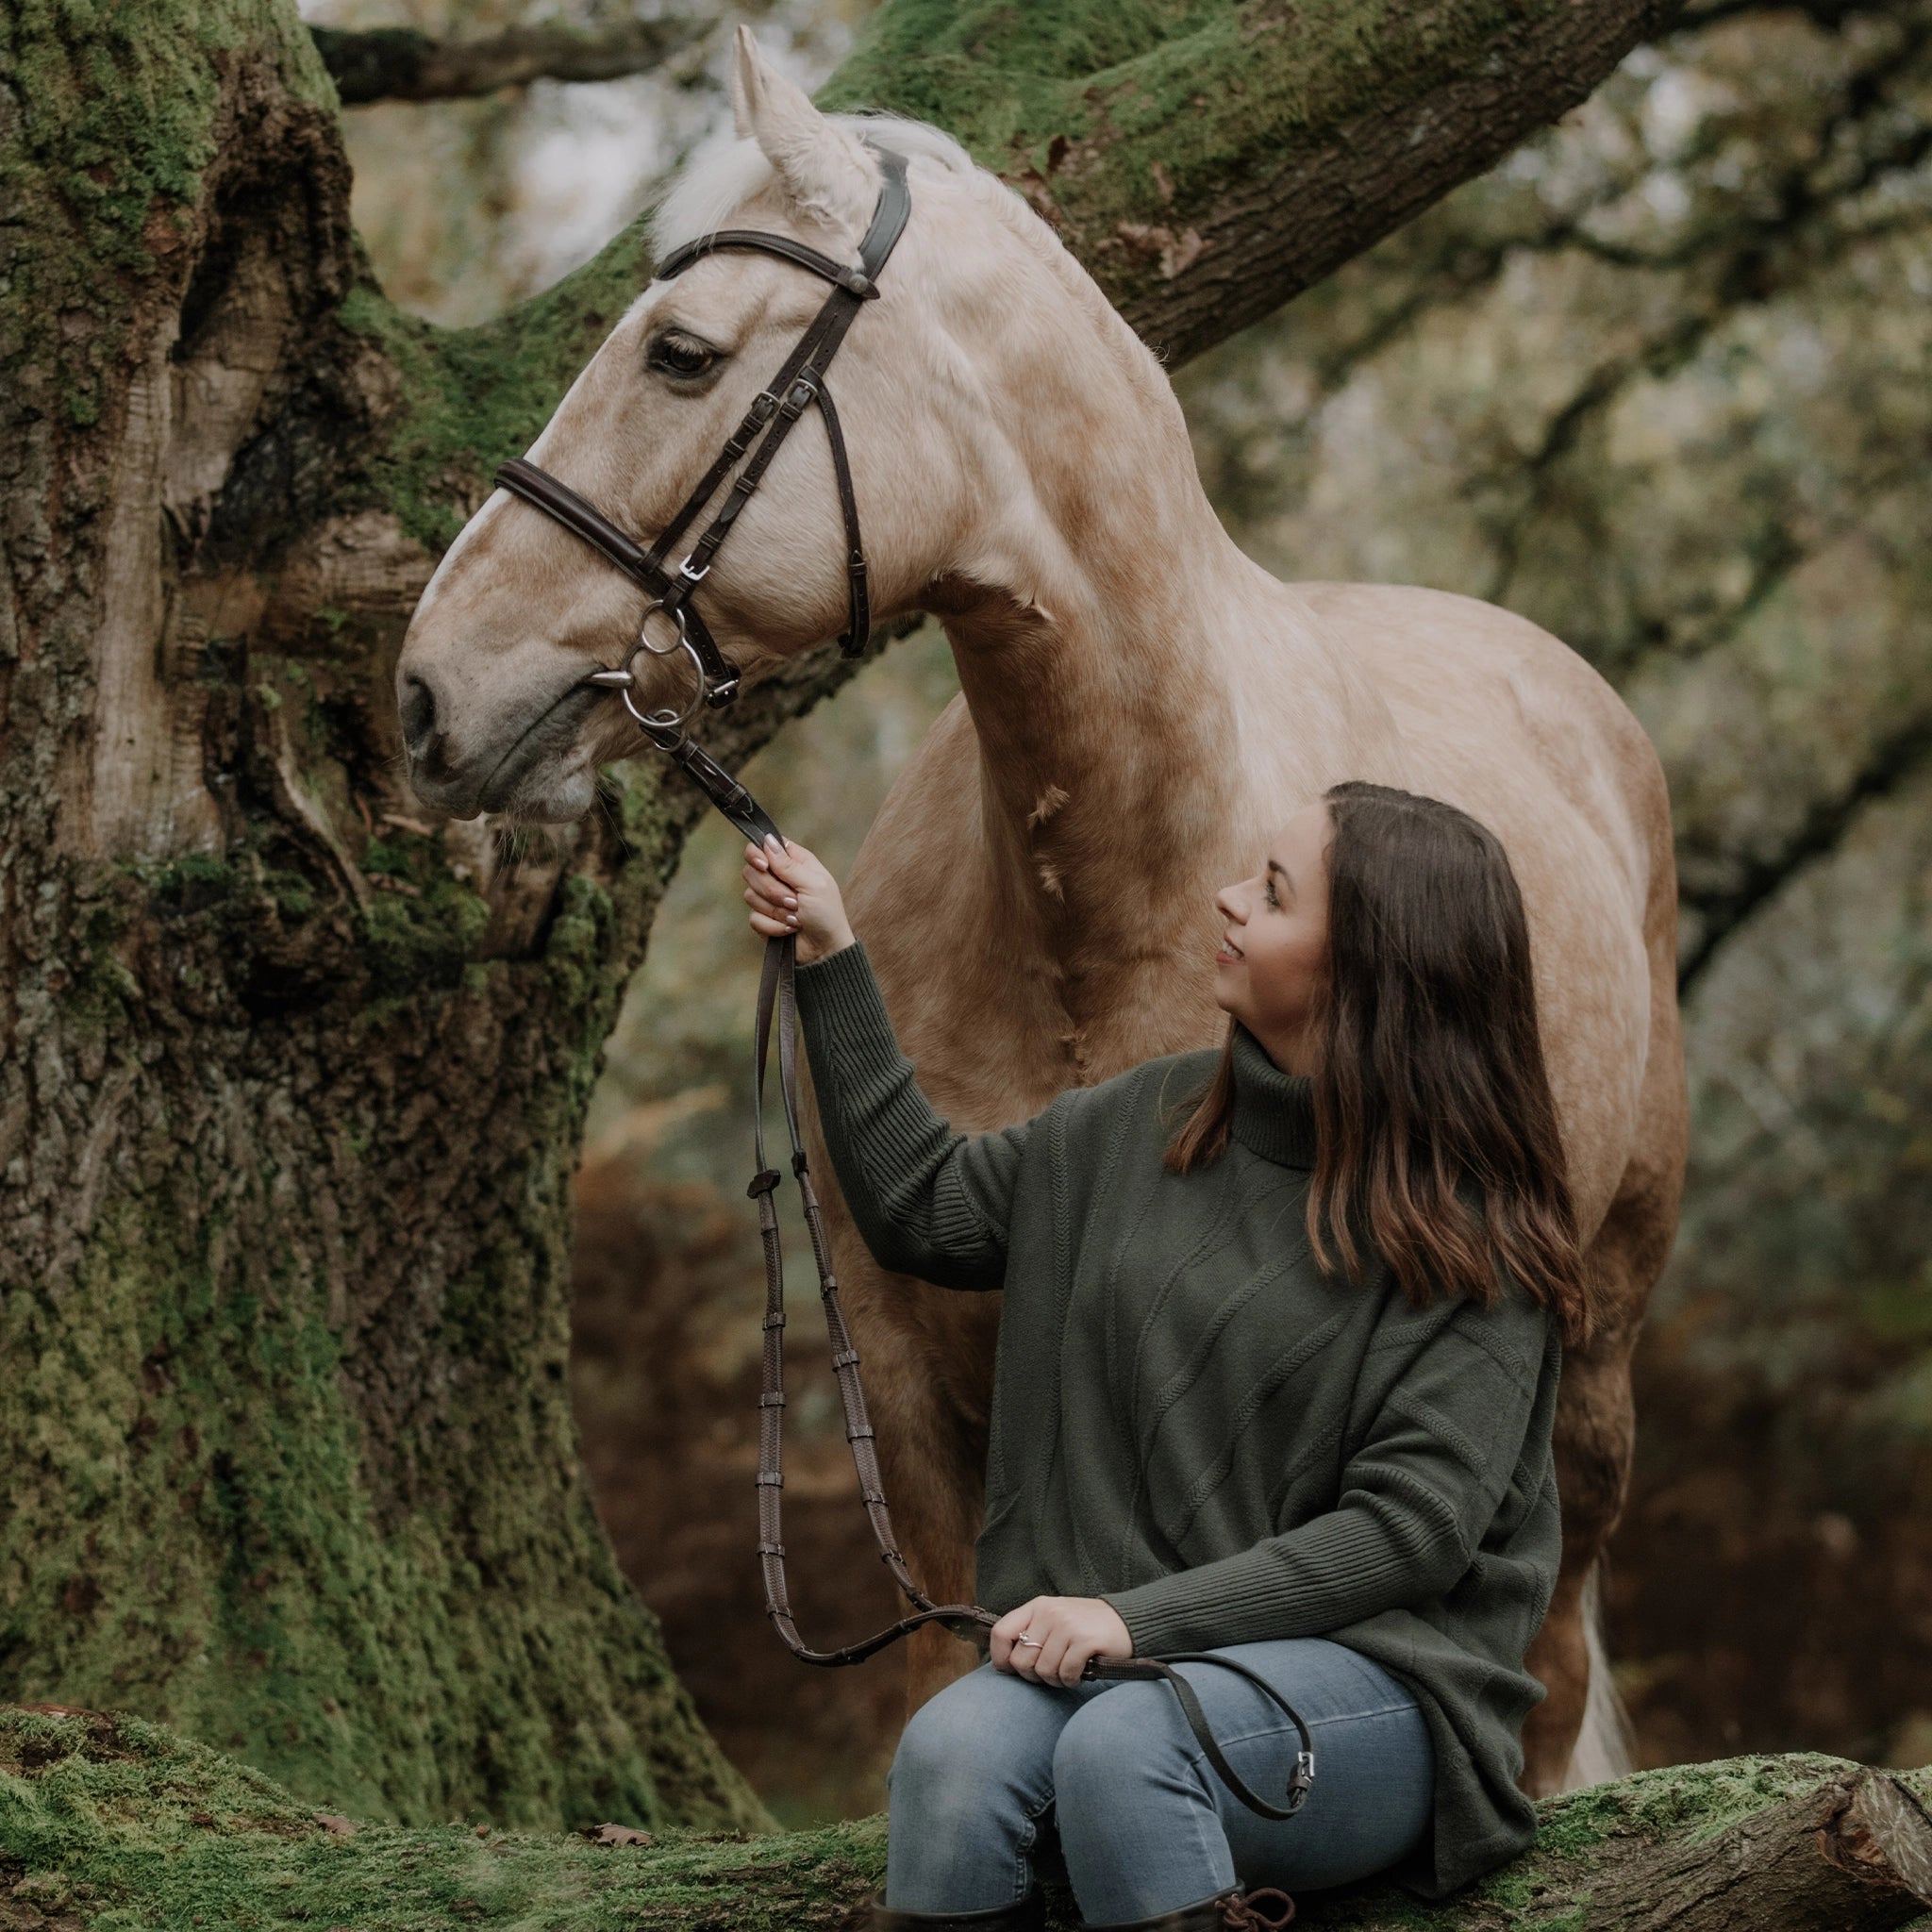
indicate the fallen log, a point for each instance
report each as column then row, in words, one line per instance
column 107, row 1820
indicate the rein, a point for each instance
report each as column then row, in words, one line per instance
column 799, row 385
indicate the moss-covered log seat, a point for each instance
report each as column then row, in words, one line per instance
column 108, row 1823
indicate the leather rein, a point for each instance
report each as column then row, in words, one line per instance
column 799, row 385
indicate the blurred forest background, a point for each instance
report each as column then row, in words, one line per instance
column 1662, row 382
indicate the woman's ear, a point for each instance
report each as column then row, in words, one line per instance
column 824, row 169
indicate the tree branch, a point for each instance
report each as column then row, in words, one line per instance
column 1202, row 177
column 397, row 63
column 1205, row 177
column 1714, row 915
column 103, row 1811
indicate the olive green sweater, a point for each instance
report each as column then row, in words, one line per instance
column 1193, row 1423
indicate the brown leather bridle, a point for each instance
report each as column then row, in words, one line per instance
column 799, row 385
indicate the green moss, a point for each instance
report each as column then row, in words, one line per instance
column 129, row 1825
column 424, row 943
column 1212, row 92
column 192, row 882
column 293, row 896
column 473, row 397
column 199, row 1537
column 126, row 1825
column 113, row 124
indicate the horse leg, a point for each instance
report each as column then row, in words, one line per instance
column 938, row 1546
column 1592, row 1443
column 1595, row 1424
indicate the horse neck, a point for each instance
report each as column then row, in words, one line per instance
column 1106, row 632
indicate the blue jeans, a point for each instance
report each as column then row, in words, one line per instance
column 1144, row 1824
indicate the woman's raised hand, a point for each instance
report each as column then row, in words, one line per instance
column 790, row 892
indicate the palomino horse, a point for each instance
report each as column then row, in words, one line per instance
column 1140, row 706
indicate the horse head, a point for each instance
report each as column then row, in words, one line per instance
column 495, row 712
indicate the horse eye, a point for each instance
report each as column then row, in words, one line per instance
column 681, row 356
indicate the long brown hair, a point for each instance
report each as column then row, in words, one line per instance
column 1436, row 1136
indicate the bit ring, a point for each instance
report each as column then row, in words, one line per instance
column 676, row 613
column 669, row 718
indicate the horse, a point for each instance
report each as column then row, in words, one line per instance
column 1140, row 706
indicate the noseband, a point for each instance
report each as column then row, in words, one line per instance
column 800, row 385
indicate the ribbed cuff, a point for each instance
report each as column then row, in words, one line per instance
column 844, row 1011
column 1234, row 1601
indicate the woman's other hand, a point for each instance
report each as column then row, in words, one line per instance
column 790, row 892
column 1065, row 1632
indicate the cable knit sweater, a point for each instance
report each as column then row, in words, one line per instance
column 1193, row 1423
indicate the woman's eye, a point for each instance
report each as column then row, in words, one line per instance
column 1269, row 890
column 680, row 356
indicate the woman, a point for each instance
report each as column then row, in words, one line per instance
column 1277, row 1372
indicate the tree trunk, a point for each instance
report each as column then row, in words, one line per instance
column 102, row 1815
column 294, row 1076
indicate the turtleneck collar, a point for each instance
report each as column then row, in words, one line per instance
column 1274, row 1112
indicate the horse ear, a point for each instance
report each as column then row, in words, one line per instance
column 822, row 166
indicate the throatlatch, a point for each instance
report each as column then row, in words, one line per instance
column 799, row 385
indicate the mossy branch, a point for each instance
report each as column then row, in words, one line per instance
column 399, row 63
column 1205, row 164
column 112, row 1820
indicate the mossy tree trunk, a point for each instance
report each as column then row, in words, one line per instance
column 294, row 1078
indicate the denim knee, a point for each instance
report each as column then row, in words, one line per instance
column 1131, row 1733
column 957, row 1748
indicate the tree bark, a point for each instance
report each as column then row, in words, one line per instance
column 398, row 63
column 294, row 1076
column 102, row 1814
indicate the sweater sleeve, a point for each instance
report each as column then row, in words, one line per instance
column 1417, row 1498
column 928, row 1201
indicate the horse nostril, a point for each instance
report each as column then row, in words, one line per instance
column 418, row 713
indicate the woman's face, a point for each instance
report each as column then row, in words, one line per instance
column 1275, row 947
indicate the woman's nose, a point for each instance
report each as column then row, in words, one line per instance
column 1229, row 907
